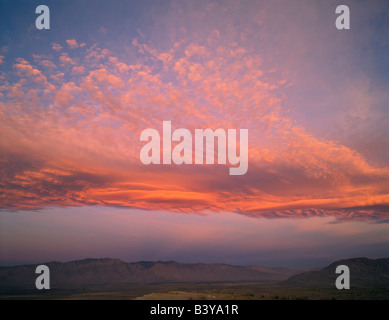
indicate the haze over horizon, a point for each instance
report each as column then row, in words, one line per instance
column 65, row 235
column 74, row 100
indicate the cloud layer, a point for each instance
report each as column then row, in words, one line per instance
column 71, row 118
column 71, row 126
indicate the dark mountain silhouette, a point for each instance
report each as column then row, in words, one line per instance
column 363, row 272
column 114, row 271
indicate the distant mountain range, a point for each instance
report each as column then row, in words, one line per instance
column 114, row 271
column 363, row 272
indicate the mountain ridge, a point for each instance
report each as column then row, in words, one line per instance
column 363, row 272
column 108, row 271
column 91, row 271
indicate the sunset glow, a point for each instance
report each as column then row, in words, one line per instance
column 74, row 100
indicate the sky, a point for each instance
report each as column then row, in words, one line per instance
column 75, row 98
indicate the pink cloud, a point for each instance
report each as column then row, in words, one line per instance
column 65, row 59
column 72, row 43
column 48, row 64
column 81, row 138
column 56, row 46
column 194, row 49
column 78, row 69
